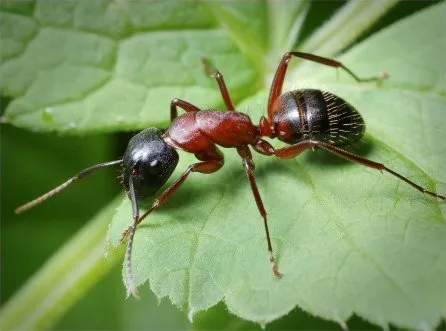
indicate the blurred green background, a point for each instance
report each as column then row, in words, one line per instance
column 32, row 163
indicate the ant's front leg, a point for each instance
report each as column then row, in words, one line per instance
column 205, row 167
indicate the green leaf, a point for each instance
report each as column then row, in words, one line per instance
column 348, row 239
column 111, row 65
column 376, row 249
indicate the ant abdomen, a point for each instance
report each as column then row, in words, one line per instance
column 309, row 114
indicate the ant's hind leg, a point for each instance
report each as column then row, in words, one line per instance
column 211, row 71
column 333, row 63
column 296, row 149
column 276, row 86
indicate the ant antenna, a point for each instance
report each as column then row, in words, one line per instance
column 59, row 188
column 130, row 281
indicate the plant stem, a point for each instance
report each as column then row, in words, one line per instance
column 64, row 278
column 346, row 26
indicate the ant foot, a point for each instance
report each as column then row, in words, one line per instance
column 438, row 196
column 124, row 234
column 276, row 272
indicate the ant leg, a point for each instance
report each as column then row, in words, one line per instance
column 276, row 86
column 245, row 153
column 211, row 71
column 264, row 147
column 294, row 150
column 183, row 105
column 205, row 167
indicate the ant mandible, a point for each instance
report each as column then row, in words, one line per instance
column 304, row 119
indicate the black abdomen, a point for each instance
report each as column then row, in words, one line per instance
column 315, row 115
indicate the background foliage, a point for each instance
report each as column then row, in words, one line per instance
column 28, row 240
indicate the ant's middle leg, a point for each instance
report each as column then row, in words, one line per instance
column 276, row 86
column 248, row 164
column 210, row 70
column 294, row 150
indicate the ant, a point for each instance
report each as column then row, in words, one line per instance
column 304, row 119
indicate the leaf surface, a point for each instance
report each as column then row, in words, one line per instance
column 112, row 65
column 348, row 239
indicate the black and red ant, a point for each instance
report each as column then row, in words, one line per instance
column 304, row 119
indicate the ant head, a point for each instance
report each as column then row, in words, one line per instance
column 150, row 161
